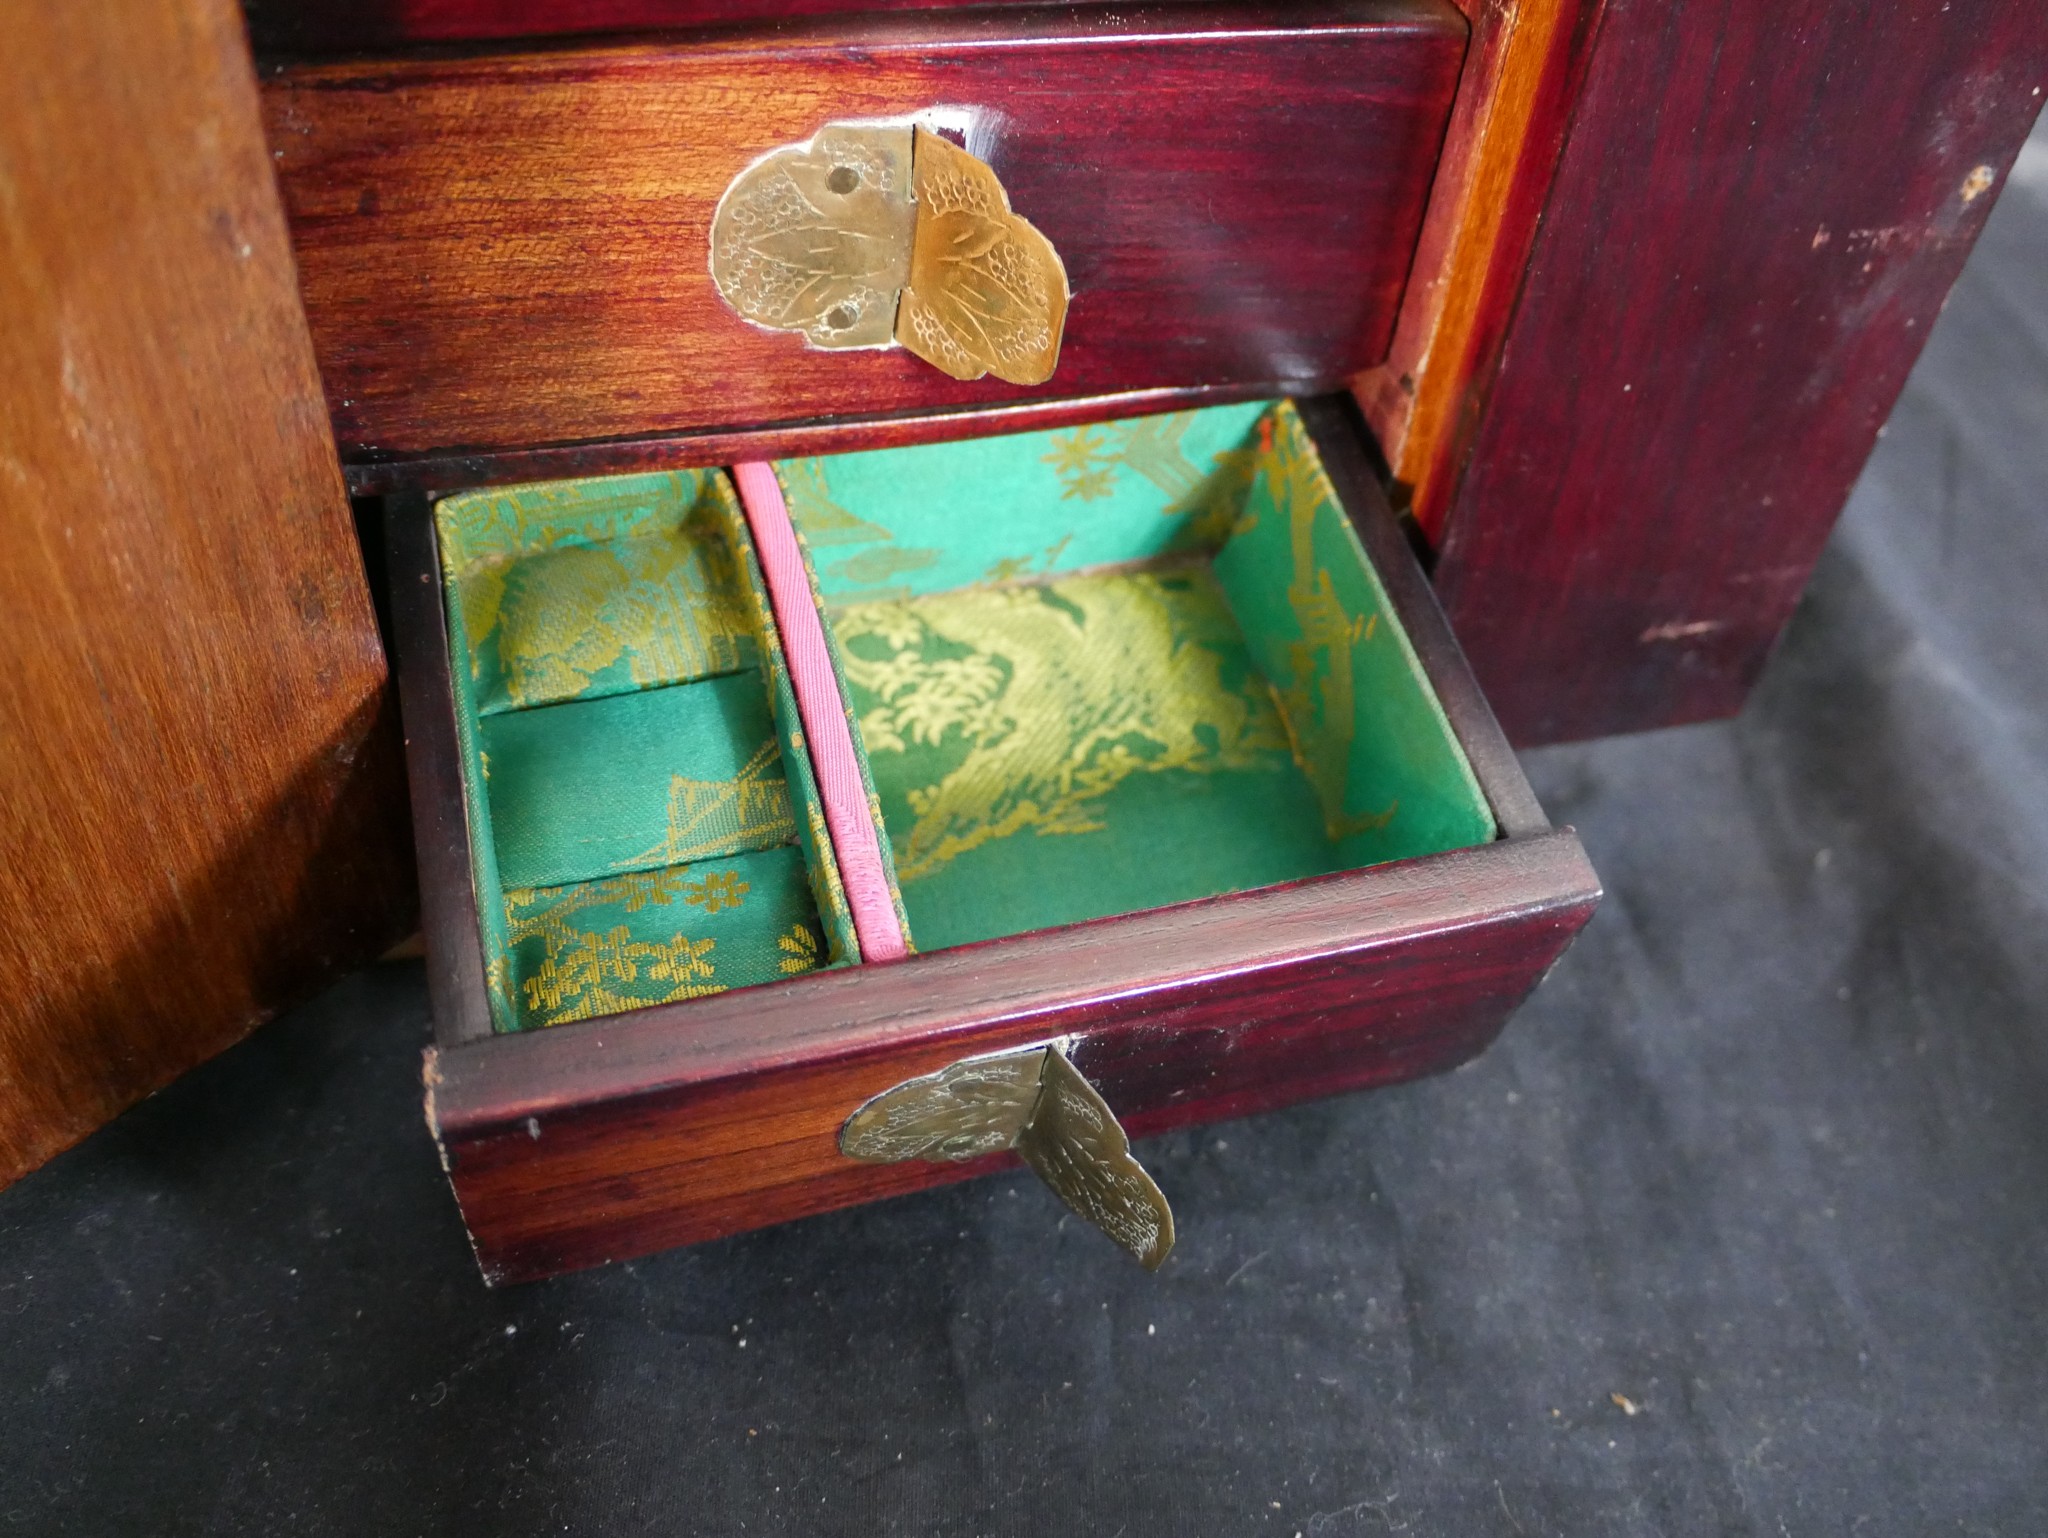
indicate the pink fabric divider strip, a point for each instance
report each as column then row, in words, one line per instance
column 856, row 842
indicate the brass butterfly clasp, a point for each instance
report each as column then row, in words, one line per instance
column 885, row 235
column 1037, row 1103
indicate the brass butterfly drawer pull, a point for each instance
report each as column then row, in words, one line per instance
column 884, row 235
column 1037, row 1103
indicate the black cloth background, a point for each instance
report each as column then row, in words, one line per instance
column 1767, row 1156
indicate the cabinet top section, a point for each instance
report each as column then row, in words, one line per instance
column 512, row 251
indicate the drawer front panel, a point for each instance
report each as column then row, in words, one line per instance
column 563, row 1154
column 513, row 251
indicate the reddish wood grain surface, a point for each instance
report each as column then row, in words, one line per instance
column 311, row 28
column 510, row 251
column 610, row 1138
column 199, row 797
column 597, row 1142
column 1759, row 211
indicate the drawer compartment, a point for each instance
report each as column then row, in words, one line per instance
column 511, row 251
column 1176, row 759
column 631, row 755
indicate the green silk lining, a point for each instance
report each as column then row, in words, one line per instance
column 1055, row 752
column 1092, row 671
column 590, row 588
column 656, row 936
column 1230, row 705
column 1389, row 778
column 633, row 781
column 899, row 523
column 644, row 822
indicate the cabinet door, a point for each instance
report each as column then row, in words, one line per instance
column 200, row 796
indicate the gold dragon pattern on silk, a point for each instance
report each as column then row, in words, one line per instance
column 1318, row 698
column 1035, row 684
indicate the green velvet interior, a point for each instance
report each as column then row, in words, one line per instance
column 1121, row 666
column 645, row 823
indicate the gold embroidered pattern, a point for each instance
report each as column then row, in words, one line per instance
column 824, row 522
column 1317, row 702
column 1084, row 462
column 481, row 527
column 1032, row 703
column 799, row 950
column 554, row 585
column 584, row 973
column 716, row 890
column 708, row 818
column 1211, row 497
column 579, row 980
column 1015, row 568
column 813, row 509
column 603, row 946
column 875, row 567
column 664, row 604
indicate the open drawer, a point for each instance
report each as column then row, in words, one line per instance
column 1178, row 765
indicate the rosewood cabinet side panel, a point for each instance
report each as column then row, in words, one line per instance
column 1759, row 210
column 511, row 251
column 600, row 1142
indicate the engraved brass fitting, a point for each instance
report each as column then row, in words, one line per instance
column 883, row 235
column 1037, row 1103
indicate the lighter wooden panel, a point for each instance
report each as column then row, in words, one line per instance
column 1499, row 154
column 197, row 799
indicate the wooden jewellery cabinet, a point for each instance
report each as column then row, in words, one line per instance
column 1164, row 770
column 1149, row 396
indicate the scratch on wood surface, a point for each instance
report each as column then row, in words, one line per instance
column 1680, row 630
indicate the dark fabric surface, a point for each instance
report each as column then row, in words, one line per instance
column 1767, row 1155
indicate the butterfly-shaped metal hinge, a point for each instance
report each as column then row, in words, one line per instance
column 1036, row 1102
column 886, row 234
